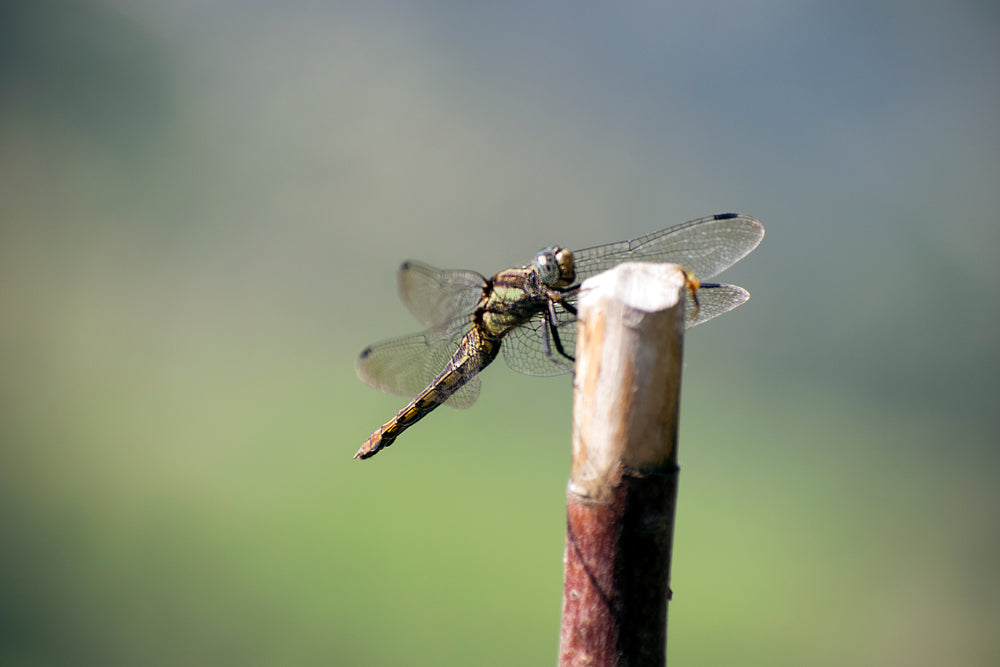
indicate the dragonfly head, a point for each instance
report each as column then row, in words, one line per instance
column 555, row 266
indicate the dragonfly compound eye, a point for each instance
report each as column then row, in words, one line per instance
column 548, row 266
column 555, row 266
column 567, row 272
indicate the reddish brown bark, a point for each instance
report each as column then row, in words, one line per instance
column 618, row 574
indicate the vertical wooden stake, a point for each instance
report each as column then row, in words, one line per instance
column 623, row 483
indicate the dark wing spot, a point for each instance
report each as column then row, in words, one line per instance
column 365, row 352
column 726, row 216
column 405, row 266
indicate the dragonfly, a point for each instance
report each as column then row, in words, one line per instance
column 529, row 314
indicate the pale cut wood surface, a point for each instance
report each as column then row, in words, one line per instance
column 627, row 382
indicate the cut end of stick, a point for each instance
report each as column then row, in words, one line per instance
column 629, row 345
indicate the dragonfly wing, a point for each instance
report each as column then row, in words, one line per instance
column 524, row 347
column 713, row 300
column 405, row 366
column 706, row 246
column 438, row 296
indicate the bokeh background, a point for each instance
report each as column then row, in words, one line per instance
column 203, row 205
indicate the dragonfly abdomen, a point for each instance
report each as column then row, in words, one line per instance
column 476, row 351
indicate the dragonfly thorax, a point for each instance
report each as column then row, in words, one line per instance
column 555, row 267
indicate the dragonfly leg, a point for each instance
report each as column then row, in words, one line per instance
column 552, row 330
column 693, row 285
column 560, row 294
column 546, row 345
column 570, row 308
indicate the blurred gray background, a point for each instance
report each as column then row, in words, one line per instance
column 202, row 207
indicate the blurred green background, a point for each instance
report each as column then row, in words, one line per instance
column 203, row 205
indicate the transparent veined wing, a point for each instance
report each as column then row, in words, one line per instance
column 530, row 348
column 405, row 366
column 713, row 300
column 706, row 246
column 437, row 297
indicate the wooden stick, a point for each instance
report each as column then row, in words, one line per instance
column 623, row 482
